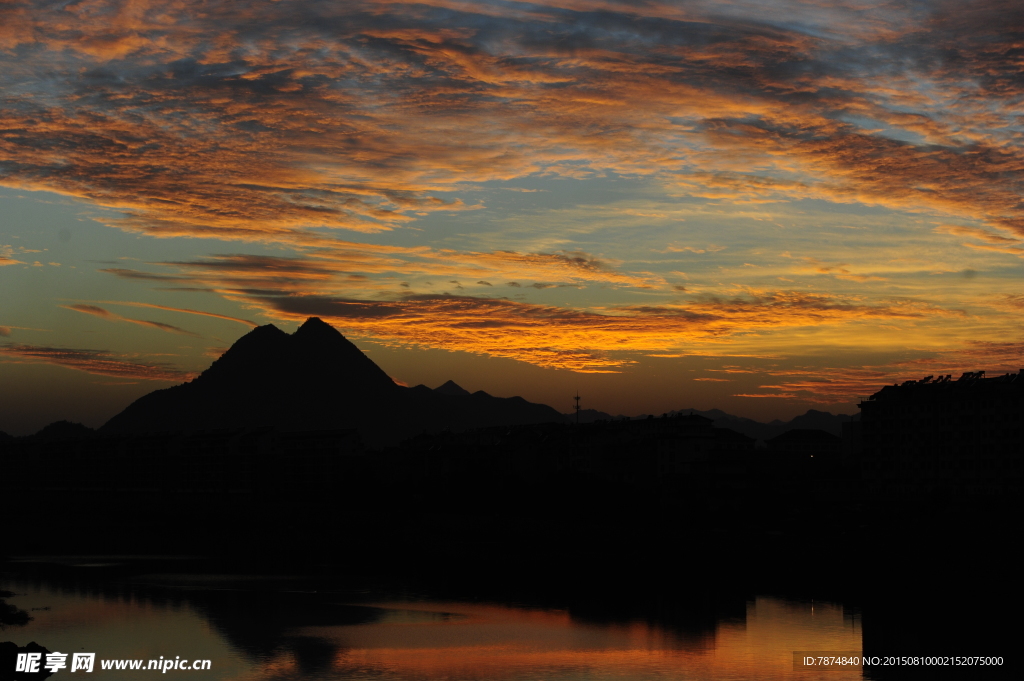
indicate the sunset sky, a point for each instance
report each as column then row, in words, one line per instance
column 760, row 206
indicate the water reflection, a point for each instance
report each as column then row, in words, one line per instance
column 254, row 634
column 491, row 642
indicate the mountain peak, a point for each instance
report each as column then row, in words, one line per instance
column 451, row 388
column 314, row 377
column 265, row 330
column 317, row 326
column 257, row 345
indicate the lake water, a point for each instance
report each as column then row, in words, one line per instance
column 262, row 628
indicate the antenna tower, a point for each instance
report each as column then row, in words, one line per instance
column 577, row 398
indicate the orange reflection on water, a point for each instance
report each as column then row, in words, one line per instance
column 459, row 641
column 427, row 641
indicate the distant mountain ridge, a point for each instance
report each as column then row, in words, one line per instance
column 315, row 379
column 813, row 419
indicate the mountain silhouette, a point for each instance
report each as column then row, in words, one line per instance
column 451, row 388
column 63, row 430
column 813, row 419
column 315, row 379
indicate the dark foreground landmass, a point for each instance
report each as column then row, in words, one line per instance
column 623, row 520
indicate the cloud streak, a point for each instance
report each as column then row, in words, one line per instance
column 356, row 267
column 98, row 362
column 183, row 310
column 100, row 312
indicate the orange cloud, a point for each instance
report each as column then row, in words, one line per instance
column 1013, row 301
column 582, row 340
column 588, row 341
column 264, row 121
column 1012, row 250
column 984, row 235
column 284, row 123
column 833, row 385
column 784, row 396
column 837, row 270
column 6, row 253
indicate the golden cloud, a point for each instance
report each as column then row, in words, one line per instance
column 6, row 256
column 579, row 340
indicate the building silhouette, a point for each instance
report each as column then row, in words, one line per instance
column 937, row 436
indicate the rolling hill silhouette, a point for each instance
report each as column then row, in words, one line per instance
column 315, row 379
